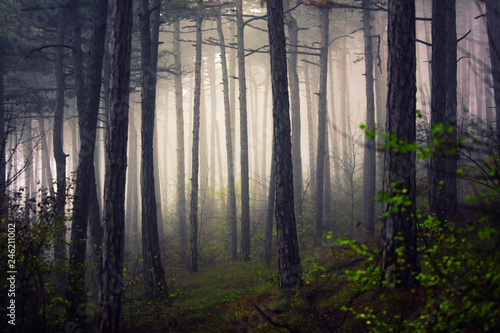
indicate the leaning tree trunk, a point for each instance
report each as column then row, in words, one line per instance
column 179, row 116
column 245, row 194
column 443, row 163
column 369, row 163
column 110, row 313
column 193, row 214
column 400, row 230
column 59, row 155
column 231, row 208
column 155, row 275
column 322, row 119
column 293, row 35
column 88, row 108
column 288, row 246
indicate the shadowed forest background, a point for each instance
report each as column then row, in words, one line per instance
column 237, row 166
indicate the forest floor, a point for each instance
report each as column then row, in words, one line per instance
column 341, row 292
column 244, row 297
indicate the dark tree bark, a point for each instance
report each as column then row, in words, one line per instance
column 179, row 115
column 88, row 108
column 155, row 275
column 59, row 155
column 293, row 35
column 112, row 283
column 245, row 191
column 288, row 247
column 322, row 119
column 193, row 214
column 231, row 208
column 400, row 224
column 369, row 163
column 443, row 163
column 493, row 17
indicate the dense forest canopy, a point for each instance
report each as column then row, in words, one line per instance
column 290, row 165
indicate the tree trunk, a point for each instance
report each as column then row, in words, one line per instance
column 231, row 208
column 59, row 155
column 193, row 214
column 443, row 163
column 380, row 92
column 110, row 313
column 179, row 114
column 133, row 186
column 310, row 130
column 232, row 85
column 293, row 35
column 333, row 119
column 369, row 162
column 245, row 195
column 322, row 119
column 493, row 17
column 213, row 120
column 288, row 247
column 400, row 224
column 155, row 275
column 46, row 169
column 88, row 99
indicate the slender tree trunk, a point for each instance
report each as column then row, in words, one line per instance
column 133, row 186
column 59, row 155
column 293, row 35
column 310, row 130
column 288, row 247
column 380, row 91
column 334, row 122
column 443, row 163
column 400, row 225
column 46, row 169
column 369, row 163
column 322, row 119
column 344, row 106
column 327, row 188
column 112, row 285
column 231, row 208
column 155, row 275
column 245, row 195
column 179, row 114
column 193, row 214
column 203, row 144
column 232, row 85
column 213, row 120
